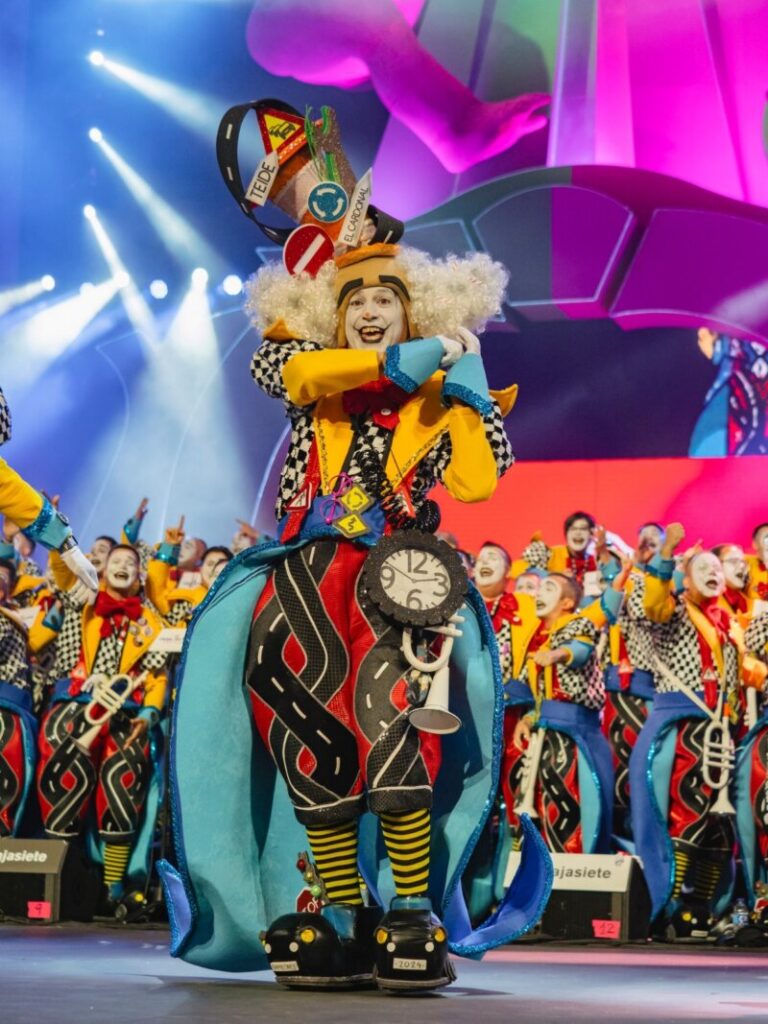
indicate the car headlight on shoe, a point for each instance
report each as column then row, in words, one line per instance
column 382, row 935
column 439, row 934
column 307, row 935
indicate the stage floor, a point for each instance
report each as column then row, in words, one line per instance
column 79, row 973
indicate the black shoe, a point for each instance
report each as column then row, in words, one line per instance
column 412, row 947
column 332, row 949
column 132, row 907
column 691, row 922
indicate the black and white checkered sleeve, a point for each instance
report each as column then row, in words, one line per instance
column 269, row 360
column 5, row 419
column 756, row 637
column 14, row 665
column 498, row 440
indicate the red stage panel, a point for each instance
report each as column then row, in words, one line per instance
column 716, row 499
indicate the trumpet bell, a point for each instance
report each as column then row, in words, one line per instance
column 438, row 720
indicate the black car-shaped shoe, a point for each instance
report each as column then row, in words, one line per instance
column 412, row 947
column 332, row 949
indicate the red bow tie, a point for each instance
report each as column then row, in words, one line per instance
column 381, row 398
column 718, row 616
column 109, row 608
column 735, row 599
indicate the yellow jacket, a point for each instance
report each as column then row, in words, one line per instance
column 321, row 378
column 19, row 501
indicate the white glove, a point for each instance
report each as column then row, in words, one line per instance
column 81, row 594
column 469, row 340
column 453, row 350
column 76, row 562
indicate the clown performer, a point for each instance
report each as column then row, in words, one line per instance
column 17, row 722
column 95, row 738
column 575, row 558
column 735, row 597
column 628, row 670
column 679, row 770
column 751, row 798
column 324, row 638
column 175, row 602
column 758, row 568
column 557, row 764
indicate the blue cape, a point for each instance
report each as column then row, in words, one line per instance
column 19, row 702
column 752, row 864
column 235, row 832
column 650, row 772
column 595, row 769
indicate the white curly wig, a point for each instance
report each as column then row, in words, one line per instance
column 445, row 294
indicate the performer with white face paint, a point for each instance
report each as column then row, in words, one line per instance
column 110, row 637
column 700, row 668
column 758, row 564
column 735, row 596
column 568, row 781
column 574, row 558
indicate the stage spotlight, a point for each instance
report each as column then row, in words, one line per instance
column 136, row 307
column 199, row 278
column 96, row 57
column 47, row 282
column 89, row 212
column 158, row 289
column 10, row 298
column 195, row 110
column 38, row 337
column 232, row 285
column 95, row 135
column 182, row 240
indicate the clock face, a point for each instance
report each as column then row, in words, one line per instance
column 415, row 579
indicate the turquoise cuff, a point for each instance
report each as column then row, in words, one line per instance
column 412, row 362
column 661, row 568
column 8, row 552
column 51, row 528
column 610, row 602
column 54, row 618
column 149, row 714
column 467, row 382
column 168, row 553
column 132, row 529
column 610, row 570
column 580, row 652
column 678, row 581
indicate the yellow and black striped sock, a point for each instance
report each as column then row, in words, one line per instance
column 334, row 850
column 682, row 863
column 116, row 856
column 706, row 876
column 407, row 839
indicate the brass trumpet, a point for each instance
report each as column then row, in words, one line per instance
column 106, row 701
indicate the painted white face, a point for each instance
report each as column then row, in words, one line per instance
column 549, row 595
column 649, row 541
column 99, row 553
column 735, row 568
column 122, row 570
column 578, row 535
column 491, row 566
column 189, row 552
column 528, row 583
column 375, row 319
column 761, row 544
column 706, row 575
column 212, row 565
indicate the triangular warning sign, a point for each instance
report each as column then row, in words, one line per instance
column 280, row 129
column 301, row 500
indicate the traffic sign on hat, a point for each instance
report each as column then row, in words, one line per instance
column 307, row 249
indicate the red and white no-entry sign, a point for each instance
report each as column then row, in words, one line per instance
column 307, row 249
